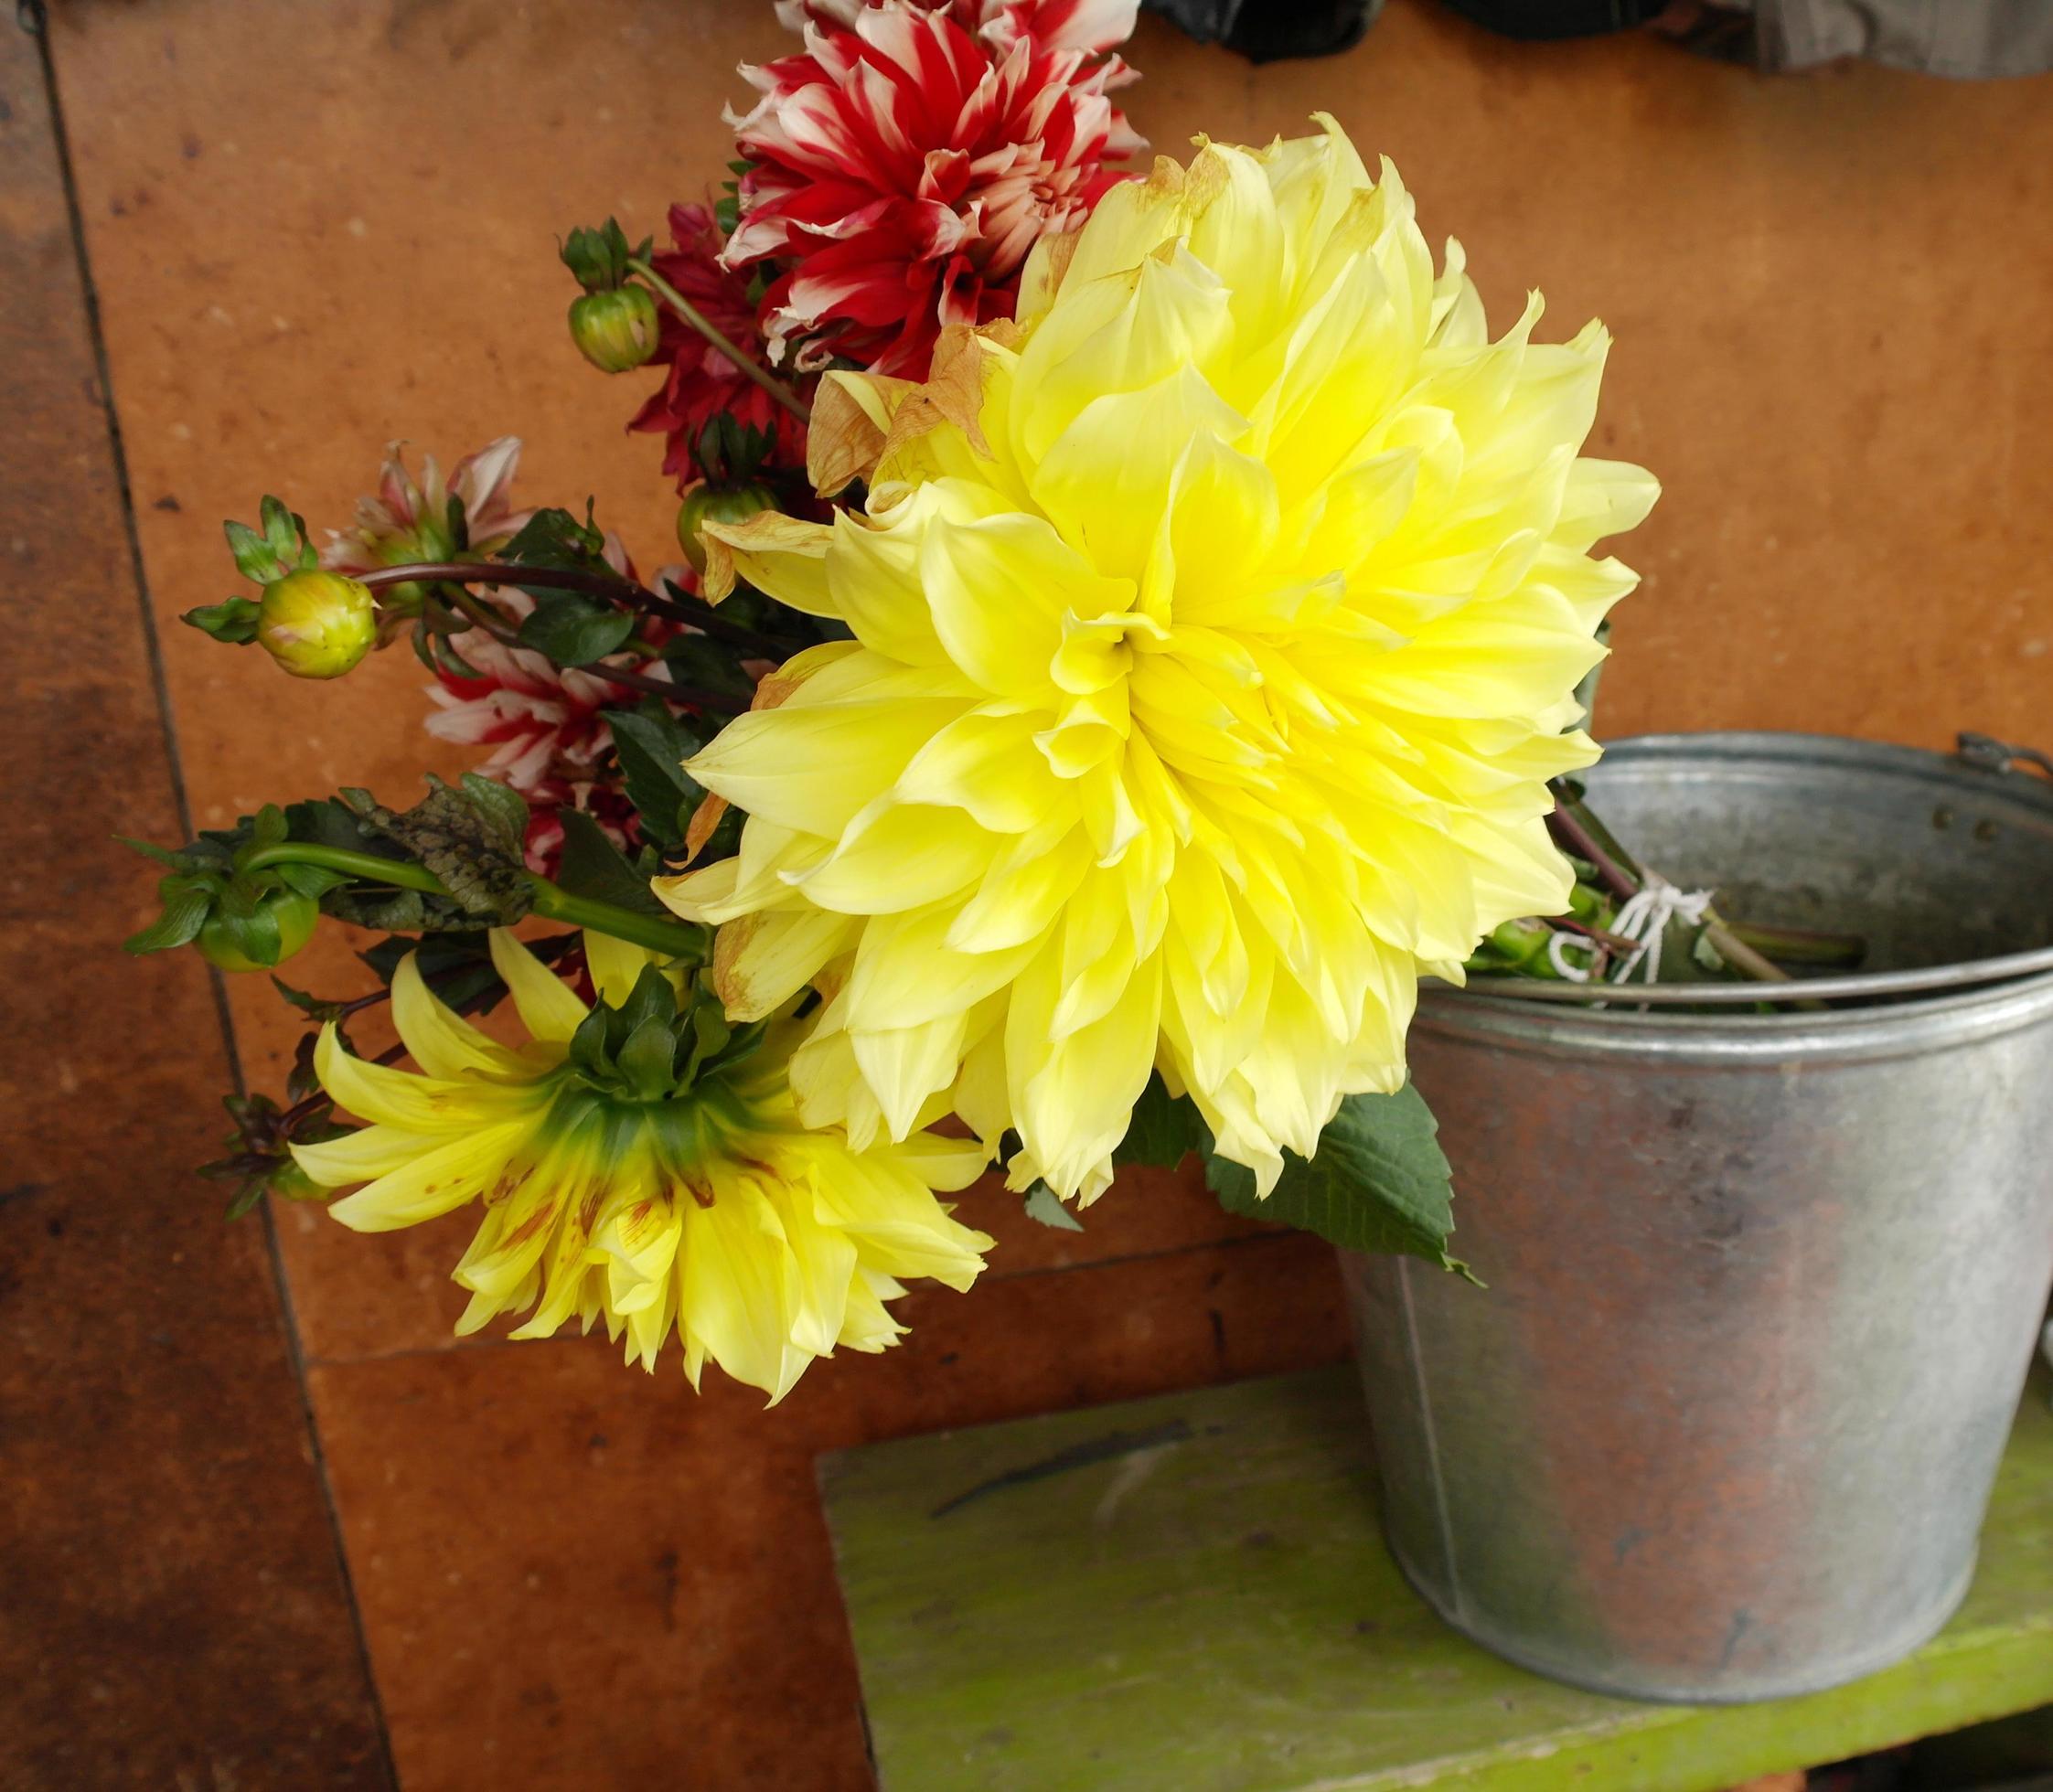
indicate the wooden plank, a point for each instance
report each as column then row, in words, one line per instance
column 172, row 1608
column 1191, row 1592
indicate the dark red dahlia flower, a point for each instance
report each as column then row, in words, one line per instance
column 701, row 382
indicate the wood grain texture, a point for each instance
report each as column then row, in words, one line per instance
column 172, row 1605
column 1189, row 1594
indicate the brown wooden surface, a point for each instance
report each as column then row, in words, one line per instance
column 317, row 226
column 172, row 1605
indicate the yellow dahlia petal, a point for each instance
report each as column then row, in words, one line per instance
column 547, row 1007
column 432, row 1182
column 363, row 1157
column 441, row 1043
column 615, row 965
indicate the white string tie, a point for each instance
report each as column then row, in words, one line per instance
column 1643, row 919
column 1565, row 967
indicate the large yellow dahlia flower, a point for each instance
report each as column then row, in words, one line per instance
column 1215, row 630
column 642, row 1161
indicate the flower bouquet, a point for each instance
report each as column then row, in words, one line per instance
column 1128, row 625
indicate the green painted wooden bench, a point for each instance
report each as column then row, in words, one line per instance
column 1190, row 1593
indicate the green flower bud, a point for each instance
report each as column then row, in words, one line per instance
column 316, row 625
column 615, row 331
column 707, row 502
column 239, row 943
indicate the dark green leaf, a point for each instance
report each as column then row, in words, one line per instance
column 648, row 1060
column 597, row 257
column 457, row 965
column 572, row 629
column 1379, row 1182
column 463, row 846
column 593, row 867
column 651, row 998
column 588, row 1052
column 330, row 822
column 233, row 622
column 652, row 745
column 186, row 905
column 1165, row 1129
column 1041, row 1205
column 249, row 927
column 697, row 660
column 312, row 1006
column 314, row 881
column 555, row 537
column 501, row 805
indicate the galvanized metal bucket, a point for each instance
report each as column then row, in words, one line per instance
column 1762, row 1289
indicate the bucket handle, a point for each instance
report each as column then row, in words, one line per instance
column 1994, row 755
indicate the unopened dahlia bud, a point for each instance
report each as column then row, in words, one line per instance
column 316, row 625
column 707, row 502
column 615, row 331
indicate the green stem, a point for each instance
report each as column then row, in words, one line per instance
column 680, row 939
column 368, row 866
column 692, row 316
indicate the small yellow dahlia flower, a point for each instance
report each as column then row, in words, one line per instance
column 1214, row 635
column 643, row 1161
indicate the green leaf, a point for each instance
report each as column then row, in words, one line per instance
column 1042, row 1205
column 555, row 537
column 649, row 1060
column 652, row 745
column 268, row 827
column 458, row 965
column 1379, row 1182
column 501, row 805
column 177, row 861
column 651, row 998
column 256, row 559
column 186, row 904
column 1165, row 1129
column 592, row 866
column 463, row 844
column 598, row 258
column 572, row 629
column 315, row 881
column 308, row 1004
column 233, row 622
column 286, row 533
column 697, row 660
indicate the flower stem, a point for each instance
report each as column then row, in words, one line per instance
column 1576, row 830
column 456, row 574
column 691, row 314
column 680, row 939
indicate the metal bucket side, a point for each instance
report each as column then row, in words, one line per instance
column 1764, row 1290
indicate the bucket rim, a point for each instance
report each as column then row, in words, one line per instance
column 1908, row 1028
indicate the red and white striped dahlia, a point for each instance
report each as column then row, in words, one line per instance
column 906, row 161
column 544, row 723
column 703, row 382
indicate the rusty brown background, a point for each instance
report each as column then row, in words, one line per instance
column 268, row 1524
